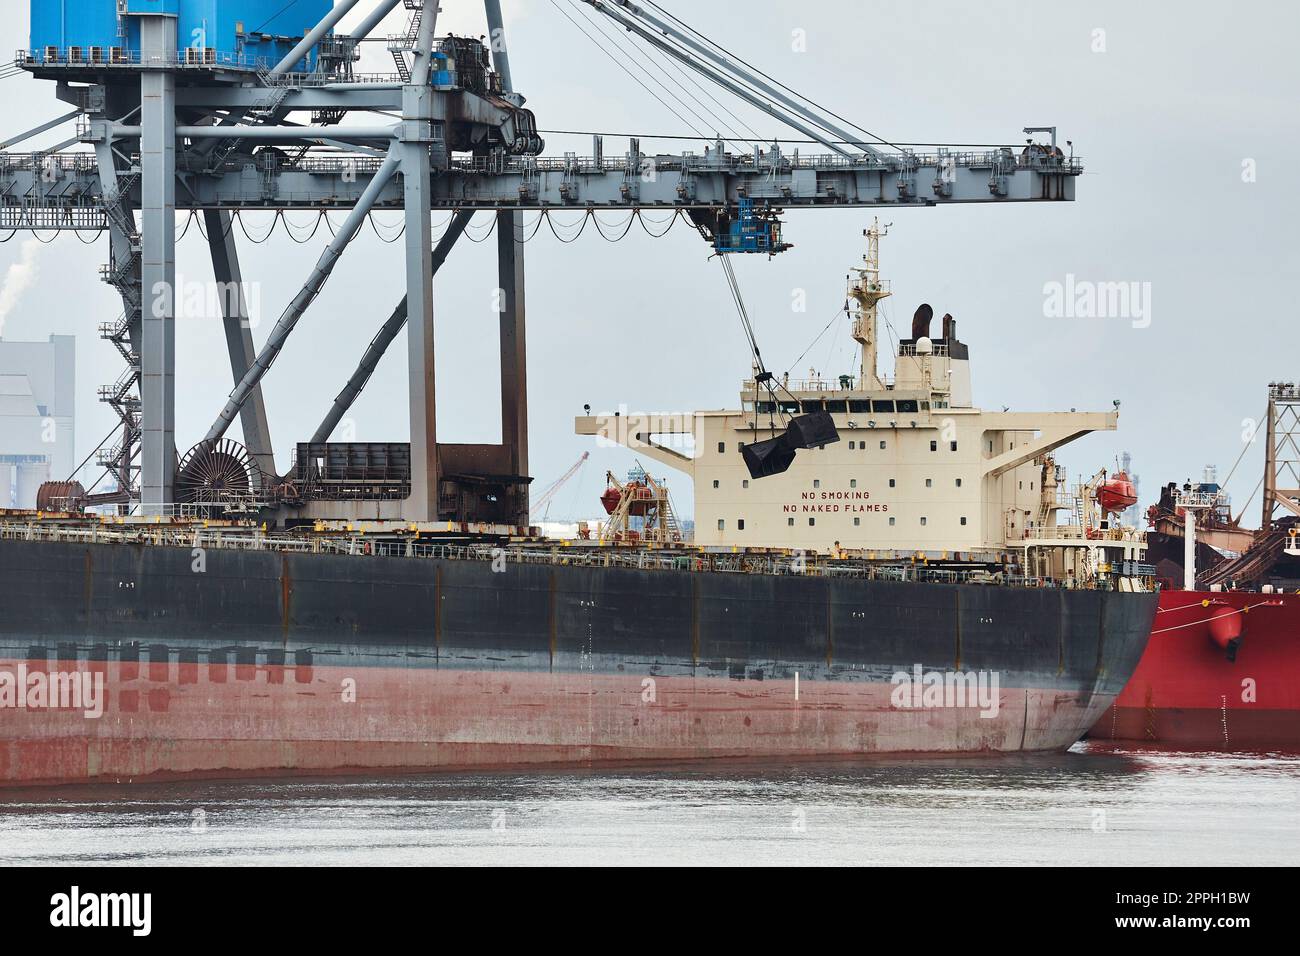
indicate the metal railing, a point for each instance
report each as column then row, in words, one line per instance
column 578, row 554
column 1075, row 533
column 116, row 56
column 909, row 348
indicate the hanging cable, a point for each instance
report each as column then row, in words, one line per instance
column 186, row 228
column 244, row 229
column 671, row 222
column 490, row 229
column 627, row 227
column 582, row 225
column 813, row 343
column 374, row 226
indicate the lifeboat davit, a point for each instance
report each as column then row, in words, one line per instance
column 1116, row 494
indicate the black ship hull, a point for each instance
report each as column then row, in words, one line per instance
column 122, row 661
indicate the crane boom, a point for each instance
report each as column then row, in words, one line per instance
column 544, row 499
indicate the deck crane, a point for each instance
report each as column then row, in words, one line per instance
column 184, row 111
column 544, row 500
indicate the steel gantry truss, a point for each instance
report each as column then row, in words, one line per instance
column 213, row 137
column 1282, row 454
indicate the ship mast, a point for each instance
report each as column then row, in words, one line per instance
column 866, row 290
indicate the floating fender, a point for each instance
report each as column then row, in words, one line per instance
column 1226, row 626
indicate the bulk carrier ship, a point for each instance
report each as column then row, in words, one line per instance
column 133, row 648
column 1222, row 670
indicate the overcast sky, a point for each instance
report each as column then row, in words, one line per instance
column 1164, row 105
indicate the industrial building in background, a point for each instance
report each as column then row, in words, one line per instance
column 37, row 389
column 184, row 107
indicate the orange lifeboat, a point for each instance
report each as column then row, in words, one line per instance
column 1116, row 494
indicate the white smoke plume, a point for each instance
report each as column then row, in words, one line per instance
column 19, row 277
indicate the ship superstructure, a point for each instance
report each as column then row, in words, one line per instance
column 918, row 469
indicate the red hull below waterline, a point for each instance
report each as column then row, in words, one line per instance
column 1221, row 672
column 281, row 720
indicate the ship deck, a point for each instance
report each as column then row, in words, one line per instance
column 461, row 542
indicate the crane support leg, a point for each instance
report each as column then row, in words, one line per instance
column 158, row 263
column 384, row 337
column 514, row 375
column 510, row 275
column 239, row 334
column 422, row 504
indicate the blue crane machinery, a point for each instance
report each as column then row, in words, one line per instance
column 259, row 105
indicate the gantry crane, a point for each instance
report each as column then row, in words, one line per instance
column 183, row 112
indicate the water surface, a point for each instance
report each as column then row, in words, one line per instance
column 1094, row 805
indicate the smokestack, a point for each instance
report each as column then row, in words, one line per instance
column 949, row 327
column 921, row 322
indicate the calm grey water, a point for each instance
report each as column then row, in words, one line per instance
column 1093, row 805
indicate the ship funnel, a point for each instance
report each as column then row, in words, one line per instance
column 949, row 327
column 921, row 321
